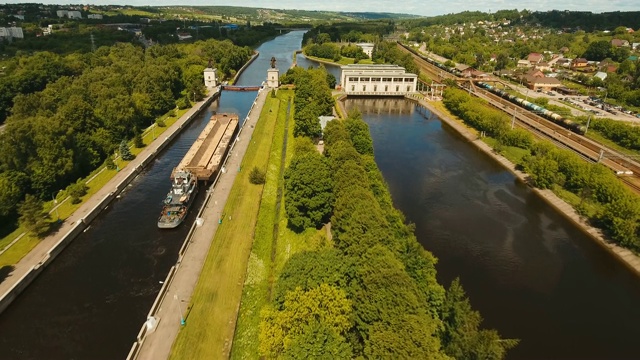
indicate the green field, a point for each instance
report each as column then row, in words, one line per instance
column 215, row 301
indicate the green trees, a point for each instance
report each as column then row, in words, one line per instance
column 312, row 99
column 32, row 215
column 371, row 292
column 388, row 53
column 69, row 114
column 323, row 311
column 125, row 153
column 76, row 191
column 308, row 191
column 598, row 50
column 461, row 335
column 257, row 176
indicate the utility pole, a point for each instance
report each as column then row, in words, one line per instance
column 513, row 120
column 588, row 122
column 93, row 43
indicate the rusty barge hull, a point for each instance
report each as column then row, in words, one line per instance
column 207, row 153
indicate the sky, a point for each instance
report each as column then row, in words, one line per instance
column 417, row 7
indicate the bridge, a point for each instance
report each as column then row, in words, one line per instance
column 240, row 88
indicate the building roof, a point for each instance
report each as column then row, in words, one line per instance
column 324, row 120
column 382, row 69
column 601, row 75
column 544, row 81
column 619, row 42
column 534, row 57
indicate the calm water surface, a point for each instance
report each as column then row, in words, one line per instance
column 530, row 272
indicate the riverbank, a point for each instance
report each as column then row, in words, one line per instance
column 31, row 265
column 625, row 256
column 239, row 73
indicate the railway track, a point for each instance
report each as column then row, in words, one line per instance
column 594, row 150
column 588, row 149
column 433, row 72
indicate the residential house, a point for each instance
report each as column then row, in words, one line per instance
column 543, row 66
column 619, row 43
column 543, row 83
column 94, row 16
column 71, row 14
column 524, row 63
column 535, row 58
column 564, row 49
column 11, row 32
column 601, row 75
column 579, row 63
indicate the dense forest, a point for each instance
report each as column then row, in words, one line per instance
column 367, row 31
column 598, row 193
column 72, row 112
column 373, row 292
column 584, row 20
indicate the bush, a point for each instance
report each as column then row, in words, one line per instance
column 137, row 141
column 160, row 123
column 257, row 176
column 76, row 191
column 125, row 153
column 183, row 103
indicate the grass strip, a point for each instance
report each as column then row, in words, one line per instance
column 215, row 301
column 256, row 285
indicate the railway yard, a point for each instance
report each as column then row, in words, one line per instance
column 567, row 135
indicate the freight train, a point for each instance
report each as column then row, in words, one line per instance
column 549, row 115
column 449, row 69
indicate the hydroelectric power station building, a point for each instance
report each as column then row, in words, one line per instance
column 373, row 79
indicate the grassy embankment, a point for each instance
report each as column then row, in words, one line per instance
column 236, row 267
column 95, row 181
column 273, row 245
column 215, row 302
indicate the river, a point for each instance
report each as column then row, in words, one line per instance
column 532, row 274
column 529, row 272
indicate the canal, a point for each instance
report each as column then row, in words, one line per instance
column 91, row 301
column 529, row 272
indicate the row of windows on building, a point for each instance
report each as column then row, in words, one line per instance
column 377, row 79
column 375, row 88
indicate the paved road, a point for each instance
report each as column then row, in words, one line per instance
column 40, row 251
column 157, row 345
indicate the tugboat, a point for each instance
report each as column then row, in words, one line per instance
column 179, row 199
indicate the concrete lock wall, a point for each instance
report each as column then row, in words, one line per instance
column 137, row 346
